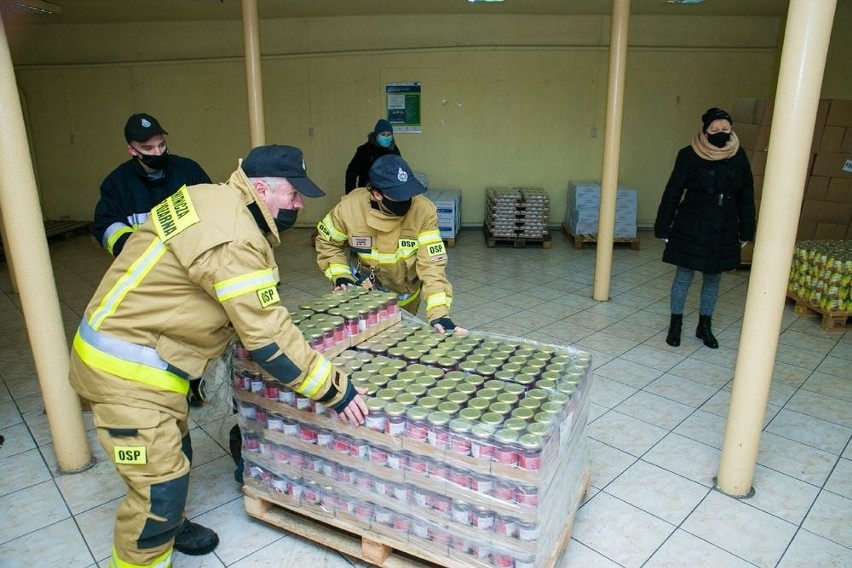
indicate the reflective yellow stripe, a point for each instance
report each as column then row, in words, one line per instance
column 427, row 237
column 162, row 561
column 335, row 270
column 158, row 378
column 409, row 299
column 115, row 236
column 134, row 275
column 385, row 258
column 326, row 227
column 239, row 285
column 315, row 379
column 439, row 299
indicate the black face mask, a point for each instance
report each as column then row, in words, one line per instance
column 155, row 162
column 397, row 208
column 286, row 218
column 719, row 139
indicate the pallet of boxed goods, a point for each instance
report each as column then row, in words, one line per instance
column 448, row 204
column 580, row 240
column 518, row 216
column 581, row 216
column 474, row 453
column 820, row 282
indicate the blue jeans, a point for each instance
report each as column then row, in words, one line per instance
column 709, row 291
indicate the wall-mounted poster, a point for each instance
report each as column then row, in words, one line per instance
column 404, row 106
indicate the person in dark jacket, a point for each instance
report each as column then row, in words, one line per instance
column 706, row 216
column 132, row 189
column 380, row 142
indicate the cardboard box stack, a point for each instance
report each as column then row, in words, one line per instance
column 474, row 453
column 584, row 203
column 517, row 213
column 448, row 203
column 827, row 204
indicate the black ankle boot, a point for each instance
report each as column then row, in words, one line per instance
column 704, row 333
column 675, row 326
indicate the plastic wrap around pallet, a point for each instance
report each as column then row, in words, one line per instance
column 461, row 455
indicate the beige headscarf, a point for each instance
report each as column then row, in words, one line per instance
column 708, row 151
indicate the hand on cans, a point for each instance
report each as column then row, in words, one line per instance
column 356, row 411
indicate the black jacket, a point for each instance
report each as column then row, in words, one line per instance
column 128, row 195
column 707, row 208
column 358, row 171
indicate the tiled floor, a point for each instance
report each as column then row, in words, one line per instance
column 655, row 427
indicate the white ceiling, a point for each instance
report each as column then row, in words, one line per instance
column 104, row 11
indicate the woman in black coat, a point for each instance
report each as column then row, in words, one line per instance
column 380, row 142
column 706, row 216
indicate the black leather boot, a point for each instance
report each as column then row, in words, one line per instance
column 704, row 333
column 675, row 326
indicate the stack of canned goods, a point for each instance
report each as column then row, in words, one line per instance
column 461, row 447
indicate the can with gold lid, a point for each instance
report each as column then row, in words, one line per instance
column 529, row 456
column 389, row 372
column 537, row 394
column 386, row 394
column 475, row 380
column 546, row 384
column 428, row 402
column 552, row 407
column 515, row 389
column 460, row 437
column 551, row 375
column 417, row 427
column 508, row 398
column 501, row 408
column 424, row 381
column 531, row 403
column 467, row 366
column 406, row 398
column 486, row 371
column 525, row 379
column 407, row 376
column 482, row 441
column 415, row 390
column 506, row 450
column 433, row 373
column 457, row 397
column 559, row 397
column 487, row 394
column 466, row 389
column 566, row 388
column 480, row 404
column 543, row 429
column 438, row 432
column 509, row 367
column 396, row 385
column 455, row 376
column 395, row 413
column 491, row 419
column 504, row 376
column 449, row 408
column 544, row 417
column 471, row 414
column 376, row 418
column 429, row 359
column 525, row 414
column 438, row 392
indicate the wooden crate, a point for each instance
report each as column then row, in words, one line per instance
column 831, row 321
column 580, row 240
column 367, row 544
column 518, row 242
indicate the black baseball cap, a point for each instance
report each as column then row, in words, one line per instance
column 281, row 161
column 142, row 127
column 391, row 175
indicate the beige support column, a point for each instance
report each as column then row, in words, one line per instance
column 8, row 256
column 254, row 81
column 803, row 56
column 40, row 302
column 612, row 147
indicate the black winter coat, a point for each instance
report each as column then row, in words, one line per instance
column 358, row 171
column 707, row 208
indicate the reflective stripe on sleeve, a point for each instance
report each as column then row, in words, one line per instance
column 239, row 285
column 335, row 271
column 113, row 233
column 315, row 379
column 385, row 258
column 427, row 237
column 162, row 561
column 134, row 275
column 326, row 228
column 404, row 301
column 439, row 299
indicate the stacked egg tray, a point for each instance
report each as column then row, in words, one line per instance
column 460, row 455
column 821, row 274
column 518, row 212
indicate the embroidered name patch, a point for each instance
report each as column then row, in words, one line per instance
column 174, row 214
column 268, row 297
column 130, row 455
column 361, row 242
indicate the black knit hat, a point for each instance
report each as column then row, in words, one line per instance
column 715, row 114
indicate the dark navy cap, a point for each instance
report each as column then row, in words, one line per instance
column 281, row 161
column 394, row 178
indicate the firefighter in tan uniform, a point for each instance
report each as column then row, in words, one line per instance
column 200, row 270
column 394, row 242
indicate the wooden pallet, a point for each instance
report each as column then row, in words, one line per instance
column 518, row 242
column 831, row 321
column 580, row 240
column 369, row 545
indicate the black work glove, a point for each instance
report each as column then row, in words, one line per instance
column 343, row 282
column 444, row 322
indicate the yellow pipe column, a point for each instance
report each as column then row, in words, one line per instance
column 612, row 147
column 254, row 80
column 803, row 57
column 27, row 244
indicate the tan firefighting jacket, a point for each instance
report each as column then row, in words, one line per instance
column 197, row 271
column 405, row 253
